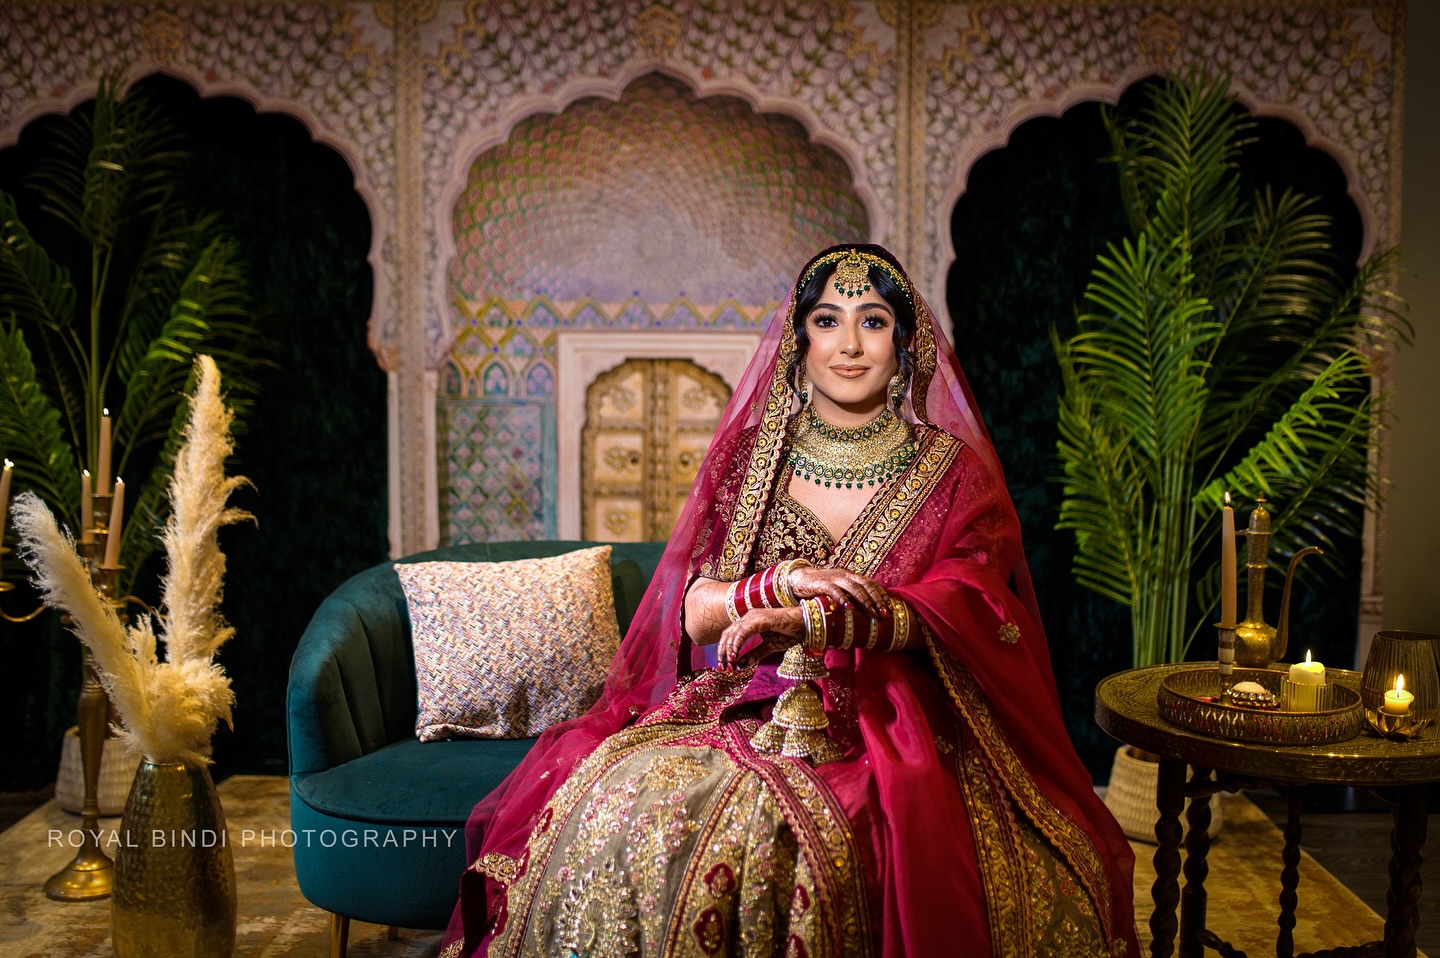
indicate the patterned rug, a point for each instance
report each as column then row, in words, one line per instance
column 277, row 922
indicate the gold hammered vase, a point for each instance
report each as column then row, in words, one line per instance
column 174, row 894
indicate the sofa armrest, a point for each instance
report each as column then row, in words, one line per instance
column 352, row 679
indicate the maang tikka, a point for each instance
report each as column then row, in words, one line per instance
column 852, row 275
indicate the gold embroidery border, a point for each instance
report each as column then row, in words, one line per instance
column 1068, row 839
column 997, row 847
column 679, row 920
column 499, row 868
column 541, row 848
column 835, row 861
column 864, row 553
column 769, row 443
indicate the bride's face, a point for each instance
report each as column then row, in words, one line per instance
column 851, row 357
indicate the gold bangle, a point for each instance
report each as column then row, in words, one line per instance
column 901, row 613
column 814, row 617
column 730, row 608
column 783, row 588
column 849, row 637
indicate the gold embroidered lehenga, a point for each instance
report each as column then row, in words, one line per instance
column 957, row 819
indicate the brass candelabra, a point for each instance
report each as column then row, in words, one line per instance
column 6, row 586
column 90, row 874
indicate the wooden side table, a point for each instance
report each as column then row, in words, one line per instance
column 1125, row 707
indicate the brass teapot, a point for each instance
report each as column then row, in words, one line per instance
column 1257, row 643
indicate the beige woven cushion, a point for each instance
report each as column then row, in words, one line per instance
column 507, row 649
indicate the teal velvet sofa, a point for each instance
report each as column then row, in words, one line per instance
column 378, row 816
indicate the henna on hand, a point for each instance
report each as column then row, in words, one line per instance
column 842, row 587
column 758, row 624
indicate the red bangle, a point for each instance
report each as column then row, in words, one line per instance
column 766, row 589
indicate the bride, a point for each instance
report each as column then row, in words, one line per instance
column 832, row 728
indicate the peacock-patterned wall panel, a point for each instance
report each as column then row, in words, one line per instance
column 662, row 210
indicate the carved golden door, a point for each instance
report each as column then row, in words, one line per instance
column 647, row 425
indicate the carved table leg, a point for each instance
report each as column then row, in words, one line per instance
column 1290, row 873
column 1169, row 800
column 1197, row 847
column 1403, row 898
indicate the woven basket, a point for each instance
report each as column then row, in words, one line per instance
column 1131, row 797
column 117, row 771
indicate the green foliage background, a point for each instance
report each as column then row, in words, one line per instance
column 314, row 445
column 1026, row 232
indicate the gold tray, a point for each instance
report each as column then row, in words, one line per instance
column 1181, row 703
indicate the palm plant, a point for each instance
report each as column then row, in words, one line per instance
column 148, row 286
column 1221, row 350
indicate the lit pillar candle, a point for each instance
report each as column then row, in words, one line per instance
column 87, row 508
column 117, row 509
column 1306, row 680
column 1397, row 700
column 1227, row 565
column 102, row 473
column 5, row 494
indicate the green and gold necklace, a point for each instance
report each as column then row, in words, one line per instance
column 840, row 458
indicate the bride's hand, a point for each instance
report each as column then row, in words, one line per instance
column 755, row 629
column 842, row 586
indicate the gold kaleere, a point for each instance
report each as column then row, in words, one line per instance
column 799, row 665
column 797, row 726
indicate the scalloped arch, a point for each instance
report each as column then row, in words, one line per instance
column 294, row 109
column 702, row 95
column 1110, row 93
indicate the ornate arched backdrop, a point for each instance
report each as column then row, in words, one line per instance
column 659, row 210
column 907, row 93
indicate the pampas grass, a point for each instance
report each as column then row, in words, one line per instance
column 168, row 708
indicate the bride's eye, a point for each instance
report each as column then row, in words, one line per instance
column 823, row 321
column 876, row 321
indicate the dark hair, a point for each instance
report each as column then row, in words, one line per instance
column 881, row 281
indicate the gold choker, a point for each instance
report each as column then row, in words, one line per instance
column 866, row 455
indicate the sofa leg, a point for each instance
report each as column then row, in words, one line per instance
column 339, row 935
column 392, row 932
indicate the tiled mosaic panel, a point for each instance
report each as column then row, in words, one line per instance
column 661, row 196
column 833, row 61
column 496, row 463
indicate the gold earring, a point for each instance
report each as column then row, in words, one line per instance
column 897, row 390
column 804, row 389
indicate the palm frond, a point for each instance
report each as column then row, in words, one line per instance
column 1358, row 315
column 32, row 285
column 1177, row 160
column 201, row 319
column 1321, row 419
column 114, row 166
column 174, row 244
column 1276, row 274
column 1144, row 356
column 1223, row 322
column 1103, row 501
column 30, row 428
